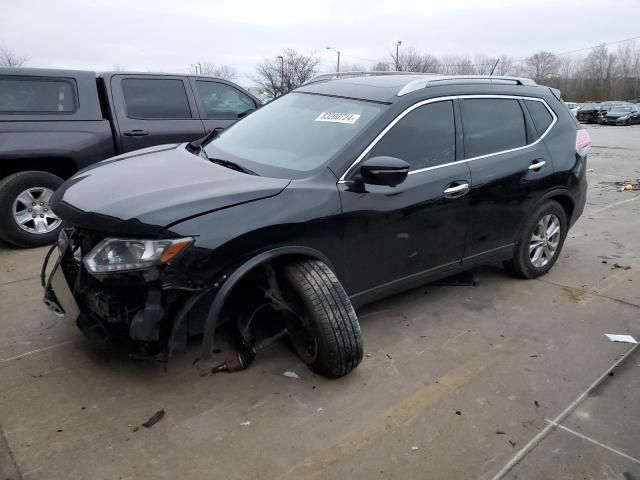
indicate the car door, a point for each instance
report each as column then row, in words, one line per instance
column 396, row 235
column 153, row 110
column 220, row 103
column 510, row 168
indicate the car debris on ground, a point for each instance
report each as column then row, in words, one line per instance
column 155, row 418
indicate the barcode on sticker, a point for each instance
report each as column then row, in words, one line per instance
column 349, row 118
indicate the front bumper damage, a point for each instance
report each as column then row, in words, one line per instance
column 154, row 310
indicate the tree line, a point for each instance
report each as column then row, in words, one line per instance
column 601, row 74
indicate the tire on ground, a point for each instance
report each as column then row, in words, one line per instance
column 10, row 188
column 331, row 316
column 520, row 264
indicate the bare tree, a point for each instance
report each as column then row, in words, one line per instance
column 210, row 69
column 284, row 73
column 506, row 66
column 411, row 60
column 599, row 68
column 382, row 66
column 542, row 65
column 352, row 67
column 10, row 59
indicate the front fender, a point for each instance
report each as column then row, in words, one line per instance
column 231, row 280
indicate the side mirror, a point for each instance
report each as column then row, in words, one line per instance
column 388, row 171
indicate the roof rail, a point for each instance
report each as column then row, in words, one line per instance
column 358, row 73
column 424, row 82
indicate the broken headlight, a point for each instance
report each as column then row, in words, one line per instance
column 120, row 254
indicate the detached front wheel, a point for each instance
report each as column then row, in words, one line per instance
column 26, row 219
column 325, row 332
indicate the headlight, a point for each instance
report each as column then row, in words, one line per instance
column 624, row 117
column 119, row 255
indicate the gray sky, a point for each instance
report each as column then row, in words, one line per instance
column 162, row 35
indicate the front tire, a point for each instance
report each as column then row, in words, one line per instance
column 540, row 242
column 26, row 219
column 331, row 341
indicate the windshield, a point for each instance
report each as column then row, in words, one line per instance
column 617, row 108
column 295, row 134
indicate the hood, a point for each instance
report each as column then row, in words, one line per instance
column 143, row 192
column 617, row 114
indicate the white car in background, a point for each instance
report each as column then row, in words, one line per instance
column 574, row 107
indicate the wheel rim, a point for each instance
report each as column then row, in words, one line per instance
column 545, row 240
column 304, row 342
column 32, row 213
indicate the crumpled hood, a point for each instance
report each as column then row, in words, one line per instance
column 143, row 192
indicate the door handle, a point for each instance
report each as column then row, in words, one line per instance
column 136, row 133
column 456, row 189
column 537, row 165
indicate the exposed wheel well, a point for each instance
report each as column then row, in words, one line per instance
column 59, row 166
column 251, row 282
column 567, row 205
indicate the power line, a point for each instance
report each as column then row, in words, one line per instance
column 570, row 52
column 519, row 60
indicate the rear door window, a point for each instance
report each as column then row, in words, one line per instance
column 155, row 98
column 492, row 125
column 223, row 101
column 425, row 137
column 26, row 95
column 540, row 114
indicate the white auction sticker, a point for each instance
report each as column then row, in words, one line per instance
column 335, row 117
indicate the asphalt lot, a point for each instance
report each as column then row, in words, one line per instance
column 457, row 382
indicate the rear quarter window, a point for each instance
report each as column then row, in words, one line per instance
column 540, row 115
column 30, row 96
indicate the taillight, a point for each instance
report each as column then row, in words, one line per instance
column 583, row 142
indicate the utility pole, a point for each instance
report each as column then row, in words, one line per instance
column 398, row 43
column 338, row 52
column 281, row 74
column 197, row 67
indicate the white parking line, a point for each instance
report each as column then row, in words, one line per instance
column 599, row 210
column 589, row 439
column 524, row 451
column 44, row 349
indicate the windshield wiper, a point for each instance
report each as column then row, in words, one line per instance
column 232, row 165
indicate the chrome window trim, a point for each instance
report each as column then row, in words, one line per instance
column 444, row 99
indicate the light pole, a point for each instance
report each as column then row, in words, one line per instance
column 281, row 73
column 338, row 52
column 398, row 43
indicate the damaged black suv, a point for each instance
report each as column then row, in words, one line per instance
column 348, row 189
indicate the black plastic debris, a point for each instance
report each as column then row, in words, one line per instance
column 618, row 266
column 154, row 419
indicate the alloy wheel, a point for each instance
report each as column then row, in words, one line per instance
column 545, row 240
column 32, row 213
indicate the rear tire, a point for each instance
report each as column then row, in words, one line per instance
column 12, row 205
column 537, row 251
column 330, row 318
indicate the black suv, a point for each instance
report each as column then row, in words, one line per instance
column 339, row 193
